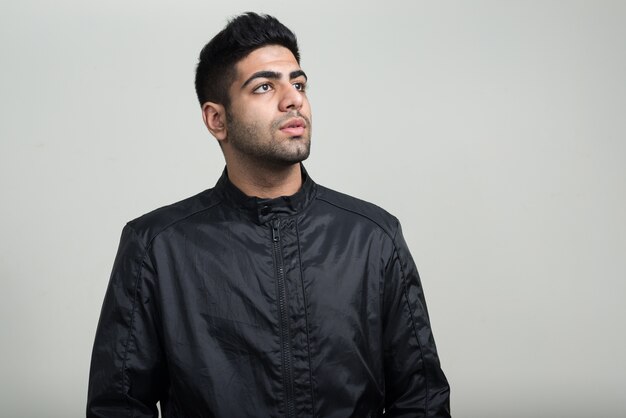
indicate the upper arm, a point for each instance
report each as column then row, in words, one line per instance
column 127, row 365
column 414, row 382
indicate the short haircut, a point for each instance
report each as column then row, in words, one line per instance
column 242, row 35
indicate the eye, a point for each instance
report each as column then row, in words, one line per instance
column 263, row 88
column 300, row 86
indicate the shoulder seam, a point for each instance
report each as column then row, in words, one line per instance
column 405, row 292
column 148, row 245
column 388, row 233
column 126, row 358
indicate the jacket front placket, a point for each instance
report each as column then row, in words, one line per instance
column 291, row 300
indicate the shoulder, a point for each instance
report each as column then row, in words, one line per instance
column 148, row 226
column 359, row 209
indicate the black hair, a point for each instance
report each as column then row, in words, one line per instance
column 242, row 35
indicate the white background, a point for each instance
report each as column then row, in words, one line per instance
column 495, row 131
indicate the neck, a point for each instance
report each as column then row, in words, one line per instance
column 265, row 182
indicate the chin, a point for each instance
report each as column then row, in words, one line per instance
column 288, row 160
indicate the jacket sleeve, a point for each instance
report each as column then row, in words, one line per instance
column 415, row 385
column 127, row 374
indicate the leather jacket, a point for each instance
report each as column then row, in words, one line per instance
column 224, row 305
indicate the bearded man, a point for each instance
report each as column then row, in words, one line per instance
column 267, row 295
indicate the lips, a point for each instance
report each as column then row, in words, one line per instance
column 294, row 127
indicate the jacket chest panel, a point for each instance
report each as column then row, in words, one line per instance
column 343, row 281
column 232, row 299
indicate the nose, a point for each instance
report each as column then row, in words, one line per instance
column 292, row 99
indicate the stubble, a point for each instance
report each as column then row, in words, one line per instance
column 263, row 145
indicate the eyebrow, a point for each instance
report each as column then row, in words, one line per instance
column 273, row 75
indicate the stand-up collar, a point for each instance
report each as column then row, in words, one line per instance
column 262, row 210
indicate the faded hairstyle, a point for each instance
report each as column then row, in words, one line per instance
column 242, row 35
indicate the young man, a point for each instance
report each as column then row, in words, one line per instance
column 268, row 295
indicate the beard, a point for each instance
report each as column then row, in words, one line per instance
column 262, row 144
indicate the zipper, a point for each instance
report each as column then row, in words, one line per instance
column 284, row 320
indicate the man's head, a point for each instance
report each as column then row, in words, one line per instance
column 252, row 91
column 243, row 34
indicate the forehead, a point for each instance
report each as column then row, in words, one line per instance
column 271, row 57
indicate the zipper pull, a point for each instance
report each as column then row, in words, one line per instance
column 275, row 230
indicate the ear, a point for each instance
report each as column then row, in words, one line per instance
column 214, row 116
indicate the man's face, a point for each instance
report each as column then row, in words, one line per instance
column 269, row 118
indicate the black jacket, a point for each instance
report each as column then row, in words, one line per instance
column 224, row 305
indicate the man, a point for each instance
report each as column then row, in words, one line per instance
column 268, row 295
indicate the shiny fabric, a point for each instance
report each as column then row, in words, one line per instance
column 224, row 305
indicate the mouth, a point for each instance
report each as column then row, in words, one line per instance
column 294, row 127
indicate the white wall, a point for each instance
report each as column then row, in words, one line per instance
column 495, row 130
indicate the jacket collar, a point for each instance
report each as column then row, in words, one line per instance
column 262, row 210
